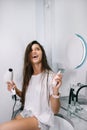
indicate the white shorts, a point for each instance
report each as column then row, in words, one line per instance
column 28, row 113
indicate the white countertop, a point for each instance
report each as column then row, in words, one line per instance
column 79, row 123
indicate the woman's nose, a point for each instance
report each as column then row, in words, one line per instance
column 33, row 51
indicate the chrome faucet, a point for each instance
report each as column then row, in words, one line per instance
column 83, row 86
column 74, row 107
column 73, row 99
column 74, row 96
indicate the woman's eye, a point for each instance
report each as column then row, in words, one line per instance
column 37, row 48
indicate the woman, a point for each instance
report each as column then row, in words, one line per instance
column 40, row 98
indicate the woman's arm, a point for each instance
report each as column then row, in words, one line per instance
column 55, row 97
column 55, row 104
column 13, row 85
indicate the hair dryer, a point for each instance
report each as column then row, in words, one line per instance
column 9, row 78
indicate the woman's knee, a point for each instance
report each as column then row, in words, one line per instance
column 3, row 127
column 18, row 117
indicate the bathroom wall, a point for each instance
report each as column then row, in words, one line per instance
column 17, row 29
column 67, row 51
column 54, row 24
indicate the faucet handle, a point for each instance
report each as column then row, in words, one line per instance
column 71, row 95
column 79, row 84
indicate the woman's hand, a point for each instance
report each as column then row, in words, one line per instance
column 58, row 82
column 11, row 85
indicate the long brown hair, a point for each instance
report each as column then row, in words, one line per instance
column 28, row 70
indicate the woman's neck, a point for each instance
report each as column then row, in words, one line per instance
column 37, row 69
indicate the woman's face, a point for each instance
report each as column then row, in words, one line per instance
column 35, row 54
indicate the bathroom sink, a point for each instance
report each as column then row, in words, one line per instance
column 82, row 112
column 62, row 123
column 84, row 107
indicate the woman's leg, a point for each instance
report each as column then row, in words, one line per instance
column 18, row 117
column 29, row 123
